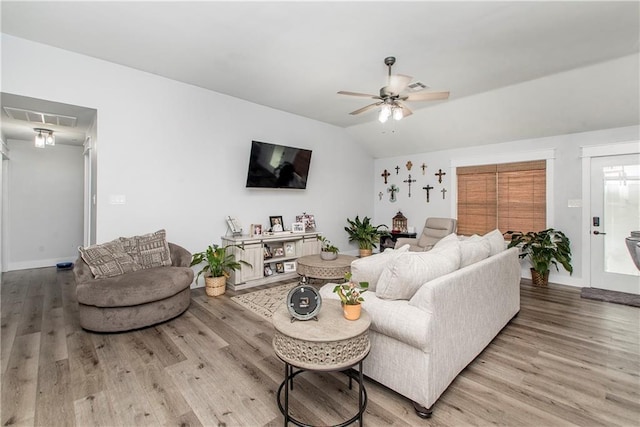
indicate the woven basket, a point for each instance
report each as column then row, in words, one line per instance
column 538, row 279
column 215, row 286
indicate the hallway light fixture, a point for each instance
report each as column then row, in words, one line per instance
column 44, row 137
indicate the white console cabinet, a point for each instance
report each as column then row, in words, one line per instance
column 272, row 257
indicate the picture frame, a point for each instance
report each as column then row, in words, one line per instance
column 234, row 225
column 289, row 266
column 289, row 249
column 276, row 224
column 308, row 220
column 267, row 270
column 297, row 227
column 256, row 230
column 279, row 251
column 267, row 252
column 279, row 267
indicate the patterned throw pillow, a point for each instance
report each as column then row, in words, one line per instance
column 108, row 260
column 149, row 250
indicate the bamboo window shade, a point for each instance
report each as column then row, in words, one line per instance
column 510, row 196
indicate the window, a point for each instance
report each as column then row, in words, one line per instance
column 508, row 196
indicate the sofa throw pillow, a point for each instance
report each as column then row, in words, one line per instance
column 409, row 271
column 108, row 260
column 474, row 249
column 496, row 241
column 447, row 241
column 149, row 250
column 369, row 269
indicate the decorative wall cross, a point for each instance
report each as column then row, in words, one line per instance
column 409, row 165
column 380, row 194
column 393, row 190
column 428, row 187
column 444, row 190
column 423, row 167
column 439, row 175
column 397, row 168
column 409, row 181
column 385, row 174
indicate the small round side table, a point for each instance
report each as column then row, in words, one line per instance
column 332, row 343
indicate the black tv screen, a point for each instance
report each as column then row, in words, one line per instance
column 277, row 166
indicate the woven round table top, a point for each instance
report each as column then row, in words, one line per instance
column 331, row 343
column 317, row 268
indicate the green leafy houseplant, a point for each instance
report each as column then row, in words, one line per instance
column 363, row 232
column 217, row 262
column 326, row 245
column 350, row 293
column 543, row 248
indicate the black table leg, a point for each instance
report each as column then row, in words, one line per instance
column 287, row 369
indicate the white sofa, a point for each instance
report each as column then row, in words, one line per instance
column 434, row 312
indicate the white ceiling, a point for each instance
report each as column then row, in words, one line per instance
column 295, row 56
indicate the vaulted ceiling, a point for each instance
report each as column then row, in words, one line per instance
column 515, row 70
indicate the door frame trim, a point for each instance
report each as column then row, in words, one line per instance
column 587, row 153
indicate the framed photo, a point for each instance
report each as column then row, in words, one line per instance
column 267, row 270
column 267, row 253
column 297, row 227
column 308, row 220
column 289, row 267
column 279, row 251
column 279, row 267
column 289, row 249
column 234, row 225
column 256, row 230
column 276, row 223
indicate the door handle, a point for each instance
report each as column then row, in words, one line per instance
column 596, row 232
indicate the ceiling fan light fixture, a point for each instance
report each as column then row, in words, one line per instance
column 397, row 113
column 51, row 140
column 385, row 113
column 39, row 140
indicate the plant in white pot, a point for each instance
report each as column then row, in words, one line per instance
column 217, row 266
column 328, row 252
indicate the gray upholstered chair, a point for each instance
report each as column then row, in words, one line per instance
column 434, row 230
column 136, row 299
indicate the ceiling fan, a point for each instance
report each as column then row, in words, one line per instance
column 392, row 94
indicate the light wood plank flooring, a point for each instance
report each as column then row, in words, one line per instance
column 562, row 361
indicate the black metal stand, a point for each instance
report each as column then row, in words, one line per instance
column 287, row 384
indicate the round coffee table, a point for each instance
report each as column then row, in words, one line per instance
column 315, row 267
column 330, row 343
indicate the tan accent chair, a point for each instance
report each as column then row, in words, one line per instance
column 434, row 230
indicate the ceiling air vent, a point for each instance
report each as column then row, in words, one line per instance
column 41, row 118
column 417, row 86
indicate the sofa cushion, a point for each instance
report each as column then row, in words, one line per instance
column 108, row 259
column 149, row 250
column 368, row 269
column 402, row 277
column 138, row 287
column 447, row 241
column 496, row 241
column 474, row 249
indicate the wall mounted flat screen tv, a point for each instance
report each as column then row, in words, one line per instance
column 277, row 166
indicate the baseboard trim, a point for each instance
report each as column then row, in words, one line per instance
column 40, row 263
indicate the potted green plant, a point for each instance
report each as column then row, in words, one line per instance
column 365, row 233
column 543, row 249
column 350, row 294
column 217, row 266
column 328, row 252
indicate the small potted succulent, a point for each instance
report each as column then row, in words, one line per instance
column 543, row 248
column 217, row 266
column 328, row 252
column 350, row 294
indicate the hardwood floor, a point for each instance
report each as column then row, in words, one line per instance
column 562, row 361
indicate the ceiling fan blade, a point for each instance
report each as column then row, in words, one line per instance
column 367, row 108
column 425, row 96
column 398, row 83
column 365, row 95
column 406, row 111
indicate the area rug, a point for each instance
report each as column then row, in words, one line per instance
column 265, row 302
column 611, row 296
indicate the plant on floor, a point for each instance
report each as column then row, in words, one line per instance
column 365, row 233
column 218, row 265
column 543, row 249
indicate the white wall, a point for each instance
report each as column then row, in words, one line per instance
column 179, row 153
column 566, row 175
column 44, row 215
